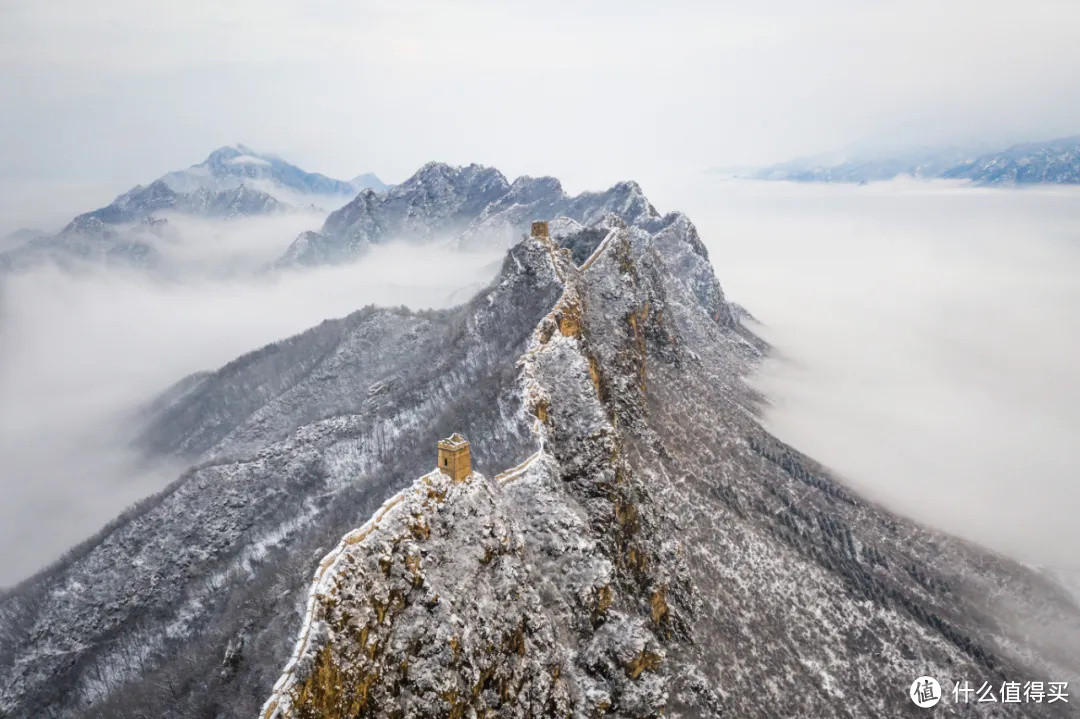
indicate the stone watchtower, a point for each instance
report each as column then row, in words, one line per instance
column 454, row 457
column 539, row 228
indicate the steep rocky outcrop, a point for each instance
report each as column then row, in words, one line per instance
column 660, row 553
column 643, row 545
column 471, row 207
column 294, row 444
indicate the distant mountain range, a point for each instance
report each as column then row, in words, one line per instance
column 1052, row 162
column 234, row 181
column 633, row 543
column 471, row 207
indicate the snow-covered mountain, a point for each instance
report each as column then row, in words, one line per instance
column 368, row 181
column 633, row 542
column 856, row 167
column 233, row 182
column 473, row 206
column 1055, row 161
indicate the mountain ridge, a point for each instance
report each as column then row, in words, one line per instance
column 685, row 560
column 577, row 592
column 1050, row 162
column 233, row 181
column 469, row 206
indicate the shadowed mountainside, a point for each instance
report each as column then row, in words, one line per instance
column 659, row 552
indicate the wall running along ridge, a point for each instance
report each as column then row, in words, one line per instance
column 312, row 636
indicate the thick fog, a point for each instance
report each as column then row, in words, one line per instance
column 925, row 335
column 926, row 338
column 80, row 353
column 112, row 91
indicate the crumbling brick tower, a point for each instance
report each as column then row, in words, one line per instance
column 454, row 457
column 539, row 228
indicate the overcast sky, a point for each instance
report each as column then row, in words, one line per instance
column 100, row 96
column 96, row 97
column 925, row 342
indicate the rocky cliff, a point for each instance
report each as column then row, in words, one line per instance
column 633, row 542
column 472, row 206
column 660, row 553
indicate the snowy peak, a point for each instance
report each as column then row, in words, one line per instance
column 1053, row 161
column 1057, row 162
column 472, row 207
column 658, row 552
column 643, row 546
column 451, row 193
column 227, row 153
column 436, row 175
column 527, row 189
column 233, row 181
column 234, row 165
column 368, row 181
column 625, row 200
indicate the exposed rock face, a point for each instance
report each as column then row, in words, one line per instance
column 651, row 550
column 423, row 624
column 438, row 199
column 472, row 206
column 685, row 562
column 295, row 444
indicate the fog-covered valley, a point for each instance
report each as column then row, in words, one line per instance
column 924, row 340
column 425, row 360
column 926, row 336
column 607, row 353
column 80, row 353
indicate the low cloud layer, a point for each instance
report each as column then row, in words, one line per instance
column 926, row 337
column 77, row 354
column 350, row 87
column 198, row 246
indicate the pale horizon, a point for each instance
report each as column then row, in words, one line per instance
column 115, row 94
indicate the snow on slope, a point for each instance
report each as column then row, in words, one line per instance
column 1054, row 161
column 233, row 182
column 685, row 562
column 684, row 559
column 299, row 463
column 470, row 207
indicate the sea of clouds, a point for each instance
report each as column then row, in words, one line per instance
column 927, row 339
column 81, row 353
column 925, row 335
